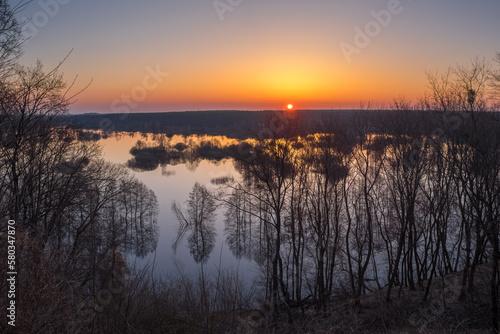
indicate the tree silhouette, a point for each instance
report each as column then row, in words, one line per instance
column 198, row 219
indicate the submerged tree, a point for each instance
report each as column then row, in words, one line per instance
column 198, row 220
column 238, row 224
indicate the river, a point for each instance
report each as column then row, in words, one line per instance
column 174, row 183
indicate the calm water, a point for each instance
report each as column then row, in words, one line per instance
column 174, row 183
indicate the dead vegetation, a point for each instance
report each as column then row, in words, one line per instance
column 443, row 312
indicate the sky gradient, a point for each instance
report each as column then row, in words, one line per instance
column 254, row 54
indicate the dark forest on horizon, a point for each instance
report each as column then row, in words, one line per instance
column 242, row 124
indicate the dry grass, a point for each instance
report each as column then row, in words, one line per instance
column 441, row 313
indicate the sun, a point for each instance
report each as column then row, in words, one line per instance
column 290, row 106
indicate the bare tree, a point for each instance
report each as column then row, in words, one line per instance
column 495, row 81
column 324, row 206
column 404, row 170
column 198, row 219
column 367, row 160
column 76, row 216
column 10, row 37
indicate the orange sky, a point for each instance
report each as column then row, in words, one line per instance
column 259, row 54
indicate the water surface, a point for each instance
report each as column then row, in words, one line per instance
column 174, row 183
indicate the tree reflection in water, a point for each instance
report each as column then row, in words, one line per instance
column 238, row 226
column 197, row 219
column 163, row 152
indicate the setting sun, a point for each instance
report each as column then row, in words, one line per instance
column 290, row 106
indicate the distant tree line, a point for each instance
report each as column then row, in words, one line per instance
column 231, row 123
